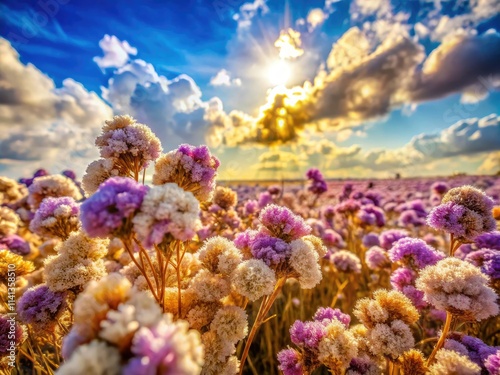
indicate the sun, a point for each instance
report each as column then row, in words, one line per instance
column 279, row 73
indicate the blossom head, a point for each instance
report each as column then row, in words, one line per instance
column 41, row 307
column 488, row 241
column 345, row 261
column 326, row 314
column 253, row 279
column 307, row 334
column 167, row 210
column 439, row 187
column 317, row 182
column 458, row 287
column 51, row 186
column 15, row 244
column 56, row 217
column 389, row 237
column 371, row 239
column 109, row 210
column 193, row 168
column 414, row 252
column 271, row 250
column 97, row 172
column 492, row 363
column 281, row 222
column 290, row 362
column 376, row 258
column 371, row 215
column 251, row 207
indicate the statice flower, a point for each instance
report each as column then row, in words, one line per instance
column 56, row 217
column 345, row 261
column 488, row 241
column 251, row 207
column 8, row 258
column 167, row 210
column 281, row 222
column 41, row 307
column 492, row 363
column 439, row 187
column 230, row 323
column 403, row 279
column 193, row 168
column 465, row 213
column 15, row 244
column 317, row 182
column 130, row 145
column 376, row 258
column 97, row 358
column 167, row 348
column 109, row 211
column 304, row 260
column 347, row 207
column 290, row 362
column 9, row 221
column 307, row 334
column 265, row 199
column 11, row 191
column 411, row 218
column 389, row 237
column 450, row 362
column 225, row 197
column 459, row 288
column 97, row 172
column 219, row 255
column 475, row 349
column 488, row 260
column 253, row 279
column 415, row 253
column 325, row 315
column 332, row 239
column 391, row 339
column 243, row 241
column 52, row 186
column 370, row 239
column 337, row 348
column 370, row 215
column 271, row 250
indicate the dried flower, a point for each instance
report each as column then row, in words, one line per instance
column 52, row 186
column 219, row 255
column 317, row 182
column 281, row 222
column 225, row 197
column 449, row 362
column 56, row 217
column 337, row 348
column 15, row 244
column 167, row 210
column 412, row 362
column 304, row 260
column 458, row 287
column 41, row 307
column 326, row 314
column 370, row 215
column 389, row 237
column 9, row 261
column 9, row 221
column 193, row 168
column 345, row 261
column 377, row 258
column 290, row 362
column 391, row 339
column 253, row 279
column 96, row 173
column 11, row 191
column 414, row 253
column 269, row 249
column 492, row 363
column 230, row 323
column 94, row 358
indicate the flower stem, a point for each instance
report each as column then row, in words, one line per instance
column 264, row 308
column 444, row 333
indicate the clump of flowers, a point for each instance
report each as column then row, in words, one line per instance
column 15, row 244
column 167, row 210
column 225, row 197
column 282, row 223
column 345, row 261
column 52, row 186
column 56, row 217
column 11, row 191
column 389, row 237
column 130, row 145
column 465, row 213
column 41, row 308
column 109, row 211
column 194, row 169
column 9, row 261
column 415, row 253
column 9, row 221
column 451, row 362
column 96, row 173
column 370, row 215
column 317, row 183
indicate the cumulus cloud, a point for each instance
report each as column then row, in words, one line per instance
column 248, row 11
column 288, row 44
column 116, row 52
column 40, row 121
column 223, row 78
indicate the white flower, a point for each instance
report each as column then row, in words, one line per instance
column 95, row 358
column 390, row 340
column 304, row 260
column 253, row 279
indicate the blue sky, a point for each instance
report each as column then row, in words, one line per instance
column 352, row 100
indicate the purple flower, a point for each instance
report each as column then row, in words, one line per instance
column 245, row 239
column 488, row 241
column 109, row 208
column 307, row 334
column 370, row 215
column 478, row 350
column 325, row 315
column 415, row 253
column 347, row 206
column 403, row 277
column 371, row 239
column 360, row 365
column 332, row 239
column 416, row 296
column 271, row 250
column 488, row 260
column 282, row 223
column 439, row 187
column 376, row 258
column 41, row 307
column 328, row 212
column 56, row 217
column 251, row 207
column 69, row 173
column 389, row 237
column 463, row 250
column 40, row 173
column 6, row 337
column 265, row 198
column 492, row 363
column 15, row 244
column 317, row 182
column 431, row 240
column 345, row 261
column 290, row 362
column 410, row 218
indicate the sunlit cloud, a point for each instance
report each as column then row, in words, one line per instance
column 289, row 44
column 223, row 78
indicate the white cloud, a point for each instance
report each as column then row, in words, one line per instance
column 39, row 121
column 116, row 52
column 248, row 11
column 223, row 78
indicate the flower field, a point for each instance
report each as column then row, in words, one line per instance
column 150, row 265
